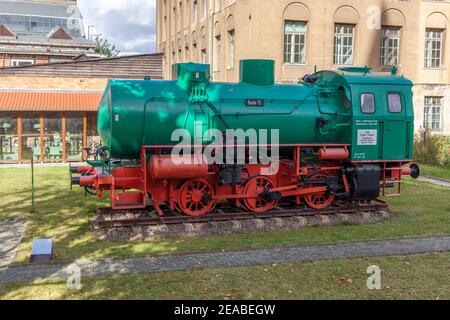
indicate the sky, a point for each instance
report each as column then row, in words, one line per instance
column 128, row 24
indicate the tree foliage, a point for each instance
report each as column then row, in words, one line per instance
column 432, row 149
column 105, row 48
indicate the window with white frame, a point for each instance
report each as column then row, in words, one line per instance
column 432, row 113
column 231, row 47
column 433, row 48
column 390, row 46
column 344, row 41
column 294, row 42
column 21, row 62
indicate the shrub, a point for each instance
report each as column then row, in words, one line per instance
column 432, row 149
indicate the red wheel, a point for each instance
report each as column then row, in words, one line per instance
column 195, row 198
column 256, row 186
column 320, row 200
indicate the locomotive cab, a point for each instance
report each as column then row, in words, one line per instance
column 382, row 127
column 382, row 113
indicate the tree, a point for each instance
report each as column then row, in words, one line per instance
column 105, row 48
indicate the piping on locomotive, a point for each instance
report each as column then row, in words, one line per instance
column 345, row 134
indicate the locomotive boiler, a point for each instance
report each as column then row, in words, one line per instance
column 345, row 134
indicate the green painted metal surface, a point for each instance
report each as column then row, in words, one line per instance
column 136, row 113
column 391, row 135
column 257, row 72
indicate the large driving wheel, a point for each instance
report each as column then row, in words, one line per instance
column 195, row 197
column 319, row 200
column 258, row 186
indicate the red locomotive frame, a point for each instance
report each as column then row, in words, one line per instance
column 195, row 190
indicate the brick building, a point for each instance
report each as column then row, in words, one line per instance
column 411, row 35
column 42, row 31
column 48, row 112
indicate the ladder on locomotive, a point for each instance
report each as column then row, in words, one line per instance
column 396, row 172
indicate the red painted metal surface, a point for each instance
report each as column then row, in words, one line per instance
column 195, row 197
column 81, row 169
column 319, row 200
column 253, row 189
column 333, row 153
column 193, row 188
column 186, row 167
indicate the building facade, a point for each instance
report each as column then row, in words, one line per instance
column 42, row 31
column 410, row 35
column 48, row 112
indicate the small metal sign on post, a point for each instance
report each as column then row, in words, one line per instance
column 33, row 208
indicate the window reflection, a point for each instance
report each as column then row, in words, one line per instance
column 74, row 135
column 53, row 146
column 46, row 142
column 9, row 140
column 31, row 136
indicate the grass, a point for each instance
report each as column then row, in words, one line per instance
column 412, row 277
column 65, row 215
column 435, row 172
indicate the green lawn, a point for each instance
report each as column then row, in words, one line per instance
column 412, row 277
column 435, row 172
column 65, row 215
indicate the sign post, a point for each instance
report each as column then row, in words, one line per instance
column 33, row 208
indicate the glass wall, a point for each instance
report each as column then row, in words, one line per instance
column 40, row 24
column 9, row 138
column 53, row 142
column 31, row 136
column 74, row 135
column 46, row 136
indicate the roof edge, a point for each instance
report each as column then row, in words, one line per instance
column 31, row 66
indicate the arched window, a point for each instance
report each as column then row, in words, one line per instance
column 217, row 47
column 392, row 23
column 295, row 18
column 231, row 34
column 345, row 20
column 436, row 26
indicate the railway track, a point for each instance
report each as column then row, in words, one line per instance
column 107, row 218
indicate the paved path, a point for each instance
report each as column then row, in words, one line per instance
column 405, row 246
column 438, row 182
column 11, row 234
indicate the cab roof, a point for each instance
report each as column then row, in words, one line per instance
column 362, row 76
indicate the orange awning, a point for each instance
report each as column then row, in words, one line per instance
column 49, row 101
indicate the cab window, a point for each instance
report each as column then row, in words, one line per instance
column 395, row 102
column 367, row 103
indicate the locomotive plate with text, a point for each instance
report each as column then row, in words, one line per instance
column 254, row 102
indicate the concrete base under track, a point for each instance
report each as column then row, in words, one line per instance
column 202, row 229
